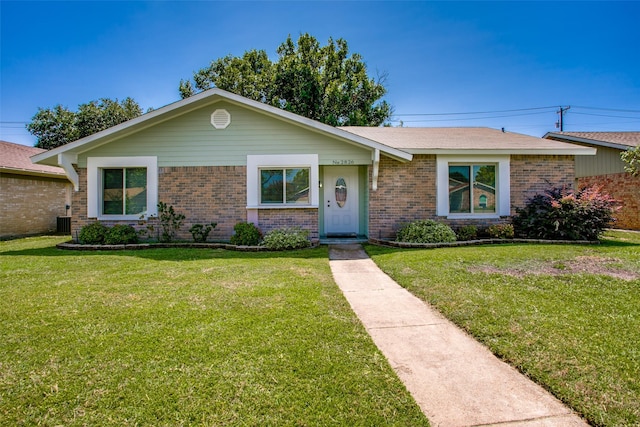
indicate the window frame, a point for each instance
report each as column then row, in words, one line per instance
column 503, row 190
column 284, row 185
column 95, row 167
column 257, row 163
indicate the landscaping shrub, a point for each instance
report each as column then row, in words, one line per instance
column 563, row 214
column 425, row 231
column 93, row 234
column 246, row 234
column 287, row 238
column 121, row 234
column 501, row 231
column 201, row 232
column 468, row 232
column 170, row 221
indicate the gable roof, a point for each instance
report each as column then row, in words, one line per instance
column 200, row 100
column 477, row 140
column 15, row 159
column 619, row 140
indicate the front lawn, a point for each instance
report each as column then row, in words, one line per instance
column 568, row 316
column 171, row 337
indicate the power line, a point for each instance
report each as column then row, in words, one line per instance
column 476, row 112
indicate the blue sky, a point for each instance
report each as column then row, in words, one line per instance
column 516, row 61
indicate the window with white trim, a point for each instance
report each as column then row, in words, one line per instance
column 473, row 186
column 122, row 188
column 124, row 191
column 282, row 181
column 284, row 186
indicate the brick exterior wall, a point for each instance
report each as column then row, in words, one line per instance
column 407, row 192
column 307, row 219
column 204, row 194
column 531, row 175
column 31, row 204
column 622, row 187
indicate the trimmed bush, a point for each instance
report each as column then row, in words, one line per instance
column 501, row 231
column 246, row 234
column 425, row 231
column 563, row 214
column 468, row 232
column 121, row 234
column 93, row 234
column 286, row 238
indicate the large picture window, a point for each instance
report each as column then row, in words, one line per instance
column 124, row 191
column 284, row 186
column 122, row 188
column 472, row 189
column 283, row 181
column 473, row 186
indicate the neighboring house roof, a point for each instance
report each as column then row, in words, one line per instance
column 15, row 159
column 464, row 140
column 619, row 140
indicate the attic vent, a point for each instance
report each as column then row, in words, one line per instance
column 220, row 119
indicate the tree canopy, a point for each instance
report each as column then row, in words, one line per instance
column 632, row 159
column 324, row 83
column 57, row 126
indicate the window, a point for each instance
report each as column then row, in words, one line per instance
column 473, row 186
column 124, row 191
column 472, row 189
column 284, row 186
column 283, row 181
column 122, row 188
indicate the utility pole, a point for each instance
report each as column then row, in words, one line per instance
column 560, row 123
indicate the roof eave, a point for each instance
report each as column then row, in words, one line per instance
column 588, row 141
column 524, row 151
column 19, row 171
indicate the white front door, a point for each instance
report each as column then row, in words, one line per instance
column 341, row 202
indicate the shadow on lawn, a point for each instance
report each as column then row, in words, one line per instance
column 172, row 254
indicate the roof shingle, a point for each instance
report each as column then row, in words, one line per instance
column 16, row 157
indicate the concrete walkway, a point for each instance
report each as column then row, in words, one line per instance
column 455, row 380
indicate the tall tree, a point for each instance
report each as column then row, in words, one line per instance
column 57, row 126
column 632, row 159
column 324, row 83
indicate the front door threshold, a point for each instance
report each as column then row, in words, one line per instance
column 332, row 239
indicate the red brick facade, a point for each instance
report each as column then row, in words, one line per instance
column 204, row 194
column 406, row 192
column 622, row 187
column 31, row 204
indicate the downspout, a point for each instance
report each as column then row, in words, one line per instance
column 65, row 162
column 376, row 167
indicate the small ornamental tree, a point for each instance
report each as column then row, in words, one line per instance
column 563, row 214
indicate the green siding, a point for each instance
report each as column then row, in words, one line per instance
column 606, row 161
column 191, row 140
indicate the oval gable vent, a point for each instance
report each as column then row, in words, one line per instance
column 220, row 119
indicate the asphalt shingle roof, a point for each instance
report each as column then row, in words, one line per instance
column 631, row 139
column 458, row 138
column 16, row 157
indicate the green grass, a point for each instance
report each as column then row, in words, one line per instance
column 171, row 337
column 568, row 316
